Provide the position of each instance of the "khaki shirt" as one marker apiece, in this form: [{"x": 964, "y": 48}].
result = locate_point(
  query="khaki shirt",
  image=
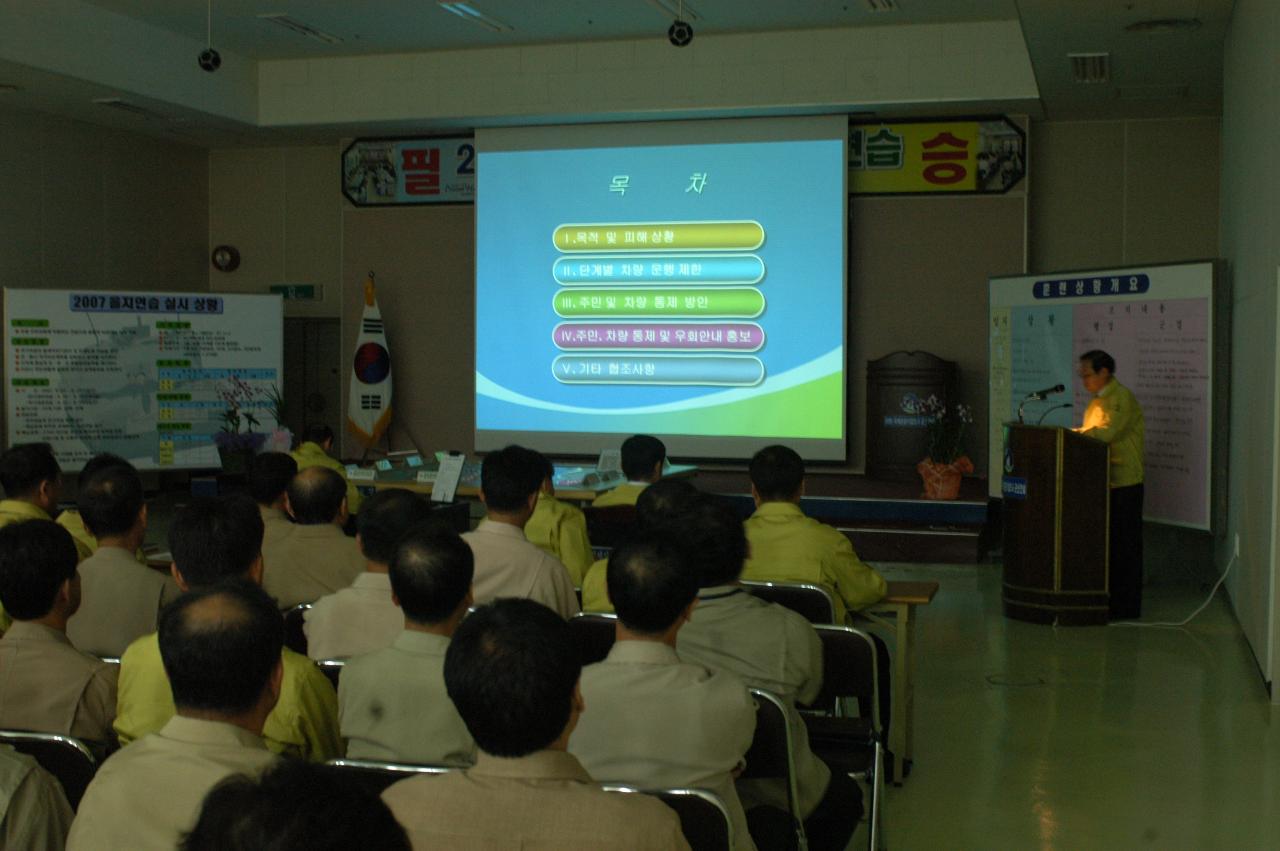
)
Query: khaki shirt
[
  {"x": 148, "y": 794},
  {"x": 34, "y": 813},
  {"x": 120, "y": 601},
  {"x": 275, "y": 525},
  {"x": 304, "y": 722},
  {"x": 787, "y": 546},
  {"x": 1114, "y": 416},
  {"x": 624, "y": 494},
  {"x": 655, "y": 722},
  {"x": 771, "y": 648},
  {"x": 509, "y": 566},
  {"x": 48, "y": 686},
  {"x": 545, "y": 801},
  {"x": 560, "y": 529},
  {"x": 310, "y": 454},
  {"x": 308, "y": 563},
  {"x": 392, "y": 705},
  {"x": 355, "y": 620}
]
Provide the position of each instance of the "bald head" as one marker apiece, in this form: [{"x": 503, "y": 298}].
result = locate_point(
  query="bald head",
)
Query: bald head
[
  {"x": 221, "y": 645},
  {"x": 316, "y": 496}
]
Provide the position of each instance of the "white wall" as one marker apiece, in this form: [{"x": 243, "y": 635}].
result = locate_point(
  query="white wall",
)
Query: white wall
[{"x": 1250, "y": 215}]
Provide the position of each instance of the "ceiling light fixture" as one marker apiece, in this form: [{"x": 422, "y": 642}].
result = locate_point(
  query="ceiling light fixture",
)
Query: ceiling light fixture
[
  {"x": 671, "y": 9},
  {"x": 294, "y": 25},
  {"x": 1090, "y": 67},
  {"x": 1163, "y": 26},
  {"x": 468, "y": 12},
  {"x": 9, "y": 87}
]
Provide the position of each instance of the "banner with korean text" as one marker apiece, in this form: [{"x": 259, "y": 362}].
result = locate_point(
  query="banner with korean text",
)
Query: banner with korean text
[
  {"x": 981, "y": 155},
  {"x": 387, "y": 172}
]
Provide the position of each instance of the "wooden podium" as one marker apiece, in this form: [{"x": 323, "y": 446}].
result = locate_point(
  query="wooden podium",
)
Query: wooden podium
[{"x": 1056, "y": 510}]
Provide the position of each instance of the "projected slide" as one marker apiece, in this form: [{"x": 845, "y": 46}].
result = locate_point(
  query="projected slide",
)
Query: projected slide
[{"x": 692, "y": 290}]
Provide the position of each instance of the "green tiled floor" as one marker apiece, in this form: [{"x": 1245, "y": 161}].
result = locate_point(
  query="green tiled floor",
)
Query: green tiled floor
[{"x": 1084, "y": 738}]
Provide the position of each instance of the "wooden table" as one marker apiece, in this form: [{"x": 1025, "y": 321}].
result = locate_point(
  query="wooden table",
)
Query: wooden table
[
  {"x": 577, "y": 491},
  {"x": 899, "y": 605}
]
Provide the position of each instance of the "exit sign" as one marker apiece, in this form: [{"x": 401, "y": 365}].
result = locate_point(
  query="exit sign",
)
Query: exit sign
[{"x": 297, "y": 292}]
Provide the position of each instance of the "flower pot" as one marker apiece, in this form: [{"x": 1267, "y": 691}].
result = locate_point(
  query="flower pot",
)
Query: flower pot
[{"x": 942, "y": 481}]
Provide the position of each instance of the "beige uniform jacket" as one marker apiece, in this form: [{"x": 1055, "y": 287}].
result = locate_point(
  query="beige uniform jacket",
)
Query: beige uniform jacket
[
  {"x": 34, "y": 813},
  {"x": 769, "y": 648},
  {"x": 545, "y": 801},
  {"x": 276, "y": 525},
  {"x": 120, "y": 601},
  {"x": 655, "y": 722},
  {"x": 48, "y": 686},
  {"x": 392, "y": 705},
  {"x": 507, "y": 565},
  {"x": 146, "y": 795},
  {"x": 355, "y": 620},
  {"x": 308, "y": 563}
]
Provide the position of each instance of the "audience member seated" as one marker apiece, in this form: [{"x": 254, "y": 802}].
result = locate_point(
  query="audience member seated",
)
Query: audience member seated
[
  {"x": 221, "y": 648},
  {"x": 269, "y": 475},
  {"x": 294, "y": 805},
  {"x": 363, "y": 617},
  {"x": 32, "y": 480},
  {"x": 507, "y": 565},
  {"x": 316, "y": 558},
  {"x": 70, "y": 519},
  {"x": 214, "y": 540},
  {"x": 661, "y": 502},
  {"x": 657, "y": 722},
  {"x": 392, "y": 704},
  {"x": 121, "y": 599},
  {"x": 559, "y": 528},
  {"x": 317, "y": 443},
  {"x": 642, "y": 460},
  {"x": 34, "y": 813},
  {"x": 787, "y": 546},
  {"x": 512, "y": 670},
  {"x": 768, "y": 647},
  {"x": 47, "y": 685}
]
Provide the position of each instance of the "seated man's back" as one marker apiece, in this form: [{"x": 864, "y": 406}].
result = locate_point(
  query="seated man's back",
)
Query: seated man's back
[
  {"x": 560, "y": 530},
  {"x": 392, "y": 703},
  {"x": 120, "y": 598},
  {"x": 46, "y": 684},
  {"x": 655, "y": 721},
  {"x": 315, "y": 558},
  {"x": 34, "y": 813},
  {"x": 787, "y": 546},
  {"x": 221, "y": 653}
]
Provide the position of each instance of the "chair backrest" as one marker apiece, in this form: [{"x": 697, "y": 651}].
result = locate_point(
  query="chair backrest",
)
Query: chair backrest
[
  {"x": 854, "y": 665},
  {"x": 331, "y": 668},
  {"x": 704, "y": 819},
  {"x": 67, "y": 759},
  {"x": 773, "y": 752},
  {"x": 294, "y": 638},
  {"x": 609, "y": 525},
  {"x": 377, "y": 776},
  {"x": 813, "y": 601},
  {"x": 593, "y": 632}
]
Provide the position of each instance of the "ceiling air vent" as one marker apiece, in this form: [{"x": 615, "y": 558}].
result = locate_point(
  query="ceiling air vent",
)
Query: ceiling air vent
[
  {"x": 294, "y": 25},
  {"x": 125, "y": 106},
  {"x": 882, "y": 5},
  {"x": 1090, "y": 67},
  {"x": 1164, "y": 26}
]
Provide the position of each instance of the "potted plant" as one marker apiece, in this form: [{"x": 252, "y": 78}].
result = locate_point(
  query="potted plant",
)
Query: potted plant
[
  {"x": 280, "y": 439},
  {"x": 236, "y": 447},
  {"x": 946, "y": 463}
]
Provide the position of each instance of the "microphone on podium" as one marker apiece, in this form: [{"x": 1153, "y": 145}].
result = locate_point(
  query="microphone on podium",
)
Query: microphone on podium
[{"x": 1040, "y": 395}]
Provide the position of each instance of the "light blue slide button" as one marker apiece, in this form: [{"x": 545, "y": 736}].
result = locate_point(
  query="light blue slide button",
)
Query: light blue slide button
[
  {"x": 723, "y": 371},
  {"x": 659, "y": 269}
]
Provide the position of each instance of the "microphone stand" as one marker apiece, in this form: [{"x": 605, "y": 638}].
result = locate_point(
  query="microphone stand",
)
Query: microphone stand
[{"x": 1049, "y": 411}]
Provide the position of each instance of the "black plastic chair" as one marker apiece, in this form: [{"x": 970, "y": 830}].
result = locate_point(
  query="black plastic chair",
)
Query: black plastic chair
[
  {"x": 68, "y": 759},
  {"x": 594, "y": 634},
  {"x": 294, "y": 636},
  {"x": 332, "y": 668},
  {"x": 704, "y": 819},
  {"x": 610, "y": 525},
  {"x": 813, "y": 601},
  {"x": 773, "y": 755}
]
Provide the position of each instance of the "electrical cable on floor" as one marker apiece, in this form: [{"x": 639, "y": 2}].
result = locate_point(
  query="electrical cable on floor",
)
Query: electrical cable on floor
[{"x": 1187, "y": 620}]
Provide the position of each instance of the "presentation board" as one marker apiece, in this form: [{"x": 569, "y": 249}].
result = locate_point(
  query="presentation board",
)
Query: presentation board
[
  {"x": 143, "y": 375},
  {"x": 1164, "y": 325},
  {"x": 684, "y": 279}
]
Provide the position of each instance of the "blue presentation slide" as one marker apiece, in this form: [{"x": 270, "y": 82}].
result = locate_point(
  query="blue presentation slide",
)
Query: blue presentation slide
[{"x": 688, "y": 289}]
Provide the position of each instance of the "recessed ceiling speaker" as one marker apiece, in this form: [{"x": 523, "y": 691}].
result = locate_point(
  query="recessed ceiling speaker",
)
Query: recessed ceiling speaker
[{"x": 680, "y": 33}]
